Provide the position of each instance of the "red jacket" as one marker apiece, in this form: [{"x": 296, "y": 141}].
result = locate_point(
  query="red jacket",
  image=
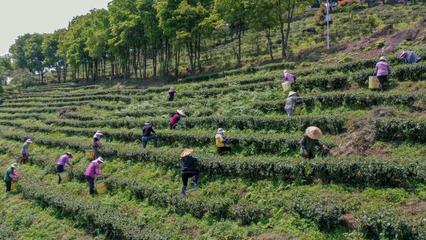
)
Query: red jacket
[{"x": 175, "y": 119}]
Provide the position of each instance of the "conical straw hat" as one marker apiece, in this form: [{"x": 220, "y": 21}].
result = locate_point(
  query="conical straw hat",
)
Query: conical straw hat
[
  {"x": 313, "y": 132},
  {"x": 186, "y": 152}
]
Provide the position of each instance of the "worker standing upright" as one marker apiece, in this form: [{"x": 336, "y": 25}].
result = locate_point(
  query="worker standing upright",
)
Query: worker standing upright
[
  {"x": 25, "y": 152},
  {"x": 171, "y": 94},
  {"x": 96, "y": 144},
  {"x": 382, "y": 72},
  {"x": 288, "y": 79}
]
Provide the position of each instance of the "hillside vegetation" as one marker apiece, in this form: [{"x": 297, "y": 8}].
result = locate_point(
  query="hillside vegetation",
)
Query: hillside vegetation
[{"x": 371, "y": 186}]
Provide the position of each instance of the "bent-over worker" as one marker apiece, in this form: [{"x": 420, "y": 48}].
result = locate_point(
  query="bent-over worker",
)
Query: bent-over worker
[
  {"x": 189, "y": 169},
  {"x": 175, "y": 120},
  {"x": 148, "y": 133},
  {"x": 93, "y": 170},
  {"x": 11, "y": 175},
  {"x": 221, "y": 141},
  {"x": 409, "y": 57},
  {"x": 60, "y": 164},
  {"x": 290, "y": 103},
  {"x": 310, "y": 142}
]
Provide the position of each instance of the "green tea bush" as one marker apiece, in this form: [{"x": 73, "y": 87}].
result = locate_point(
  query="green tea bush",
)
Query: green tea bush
[{"x": 326, "y": 213}]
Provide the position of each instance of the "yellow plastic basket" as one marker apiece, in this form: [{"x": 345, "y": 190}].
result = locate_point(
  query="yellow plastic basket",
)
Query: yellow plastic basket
[
  {"x": 90, "y": 155},
  {"x": 373, "y": 82},
  {"x": 286, "y": 86},
  {"x": 101, "y": 188},
  {"x": 13, "y": 186}
]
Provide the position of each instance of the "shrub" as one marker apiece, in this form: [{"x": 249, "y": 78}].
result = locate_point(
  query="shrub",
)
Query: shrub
[{"x": 326, "y": 213}]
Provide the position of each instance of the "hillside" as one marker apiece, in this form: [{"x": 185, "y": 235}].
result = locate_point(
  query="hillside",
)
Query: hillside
[{"x": 371, "y": 185}]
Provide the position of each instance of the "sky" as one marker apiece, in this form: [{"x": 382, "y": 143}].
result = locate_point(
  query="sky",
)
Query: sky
[{"x": 18, "y": 17}]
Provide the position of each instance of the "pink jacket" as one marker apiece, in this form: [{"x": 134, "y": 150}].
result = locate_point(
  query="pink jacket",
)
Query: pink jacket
[
  {"x": 382, "y": 69},
  {"x": 288, "y": 77},
  {"x": 93, "y": 169}
]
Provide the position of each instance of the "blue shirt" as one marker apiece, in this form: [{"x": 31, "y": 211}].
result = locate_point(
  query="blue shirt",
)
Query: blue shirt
[{"x": 411, "y": 58}]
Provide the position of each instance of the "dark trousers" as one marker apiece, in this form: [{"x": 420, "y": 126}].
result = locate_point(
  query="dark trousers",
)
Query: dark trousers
[
  {"x": 59, "y": 170},
  {"x": 307, "y": 154},
  {"x": 382, "y": 80},
  {"x": 8, "y": 186},
  {"x": 222, "y": 150},
  {"x": 186, "y": 176},
  {"x": 145, "y": 140},
  {"x": 91, "y": 184},
  {"x": 23, "y": 158}
]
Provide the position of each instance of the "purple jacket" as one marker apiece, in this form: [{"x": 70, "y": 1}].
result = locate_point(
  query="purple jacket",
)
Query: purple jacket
[
  {"x": 288, "y": 77},
  {"x": 64, "y": 159},
  {"x": 93, "y": 169},
  {"x": 382, "y": 69}
]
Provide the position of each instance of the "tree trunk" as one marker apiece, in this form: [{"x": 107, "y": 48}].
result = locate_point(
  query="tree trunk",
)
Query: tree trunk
[
  {"x": 198, "y": 50},
  {"x": 64, "y": 72},
  {"x": 145, "y": 54},
  {"x": 268, "y": 37},
  {"x": 289, "y": 20},
  {"x": 239, "y": 46},
  {"x": 154, "y": 63}
]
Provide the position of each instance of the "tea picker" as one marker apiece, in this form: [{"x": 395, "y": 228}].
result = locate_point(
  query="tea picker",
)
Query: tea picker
[
  {"x": 290, "y": 103},
  {"x": 382, "y": 72},
  {"x": 25, "y": 152},
  {"x": 95, "y": 146},
  {"x": 310, "y": 143},
  {"x": 60, "y": 164},
  {"x": 171, "y": 94},
  {"x": 409, "y": 57},
  {"x": 176, "y": 119},
  {"x": 148, "y": 133},
  {"x": 11, "y": 175},
  {"x": 288, "y": 79},
  {"x": 92, "y": 171},
  {"x": 221, "y": 140},
  {"x": 189, "y": 168}
]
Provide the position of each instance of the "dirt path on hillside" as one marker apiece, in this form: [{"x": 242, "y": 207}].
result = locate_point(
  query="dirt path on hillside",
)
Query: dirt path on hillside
[
  {"x": 361, "y": 134},
  {"x": 391, "y": 37}
]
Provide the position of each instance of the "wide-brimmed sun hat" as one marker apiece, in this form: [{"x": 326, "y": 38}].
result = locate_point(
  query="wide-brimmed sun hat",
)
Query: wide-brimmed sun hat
[
  {"x": 99, "y": 132},
  {"x": 313, "y": 132},
  {"x": 291, "y": 93},
  {"x": 172, "y": 88},
  {"x": 28, "y": 141},
  {"x": 147, "y": 123},
  {"x": 402, "y": 54},
  {"x": 186, "y": 152},
  {"x": 14, "y": 165},
  {"x": 383, "y": 58},
  {"x": 181, "y": 112},
  {"x": 221, "y": 130},
  {"x": 69, "y": 154},
  {"x": 285, "y": 71},
  {"x": 100, "y": 159}
]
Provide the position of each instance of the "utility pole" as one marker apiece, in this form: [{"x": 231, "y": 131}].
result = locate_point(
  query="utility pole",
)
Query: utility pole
[{"x": 328, "y": 19}]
